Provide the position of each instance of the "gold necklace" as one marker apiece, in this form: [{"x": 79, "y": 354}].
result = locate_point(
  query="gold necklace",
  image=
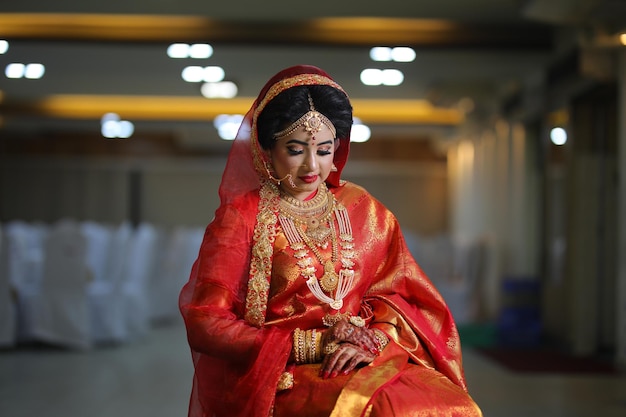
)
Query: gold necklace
[
  {"x": 314, "y": 214},
  {"x": 330, "y": 281}
]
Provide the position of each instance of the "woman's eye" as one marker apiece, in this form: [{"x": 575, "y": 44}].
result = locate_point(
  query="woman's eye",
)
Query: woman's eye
[
  {"x": 324, "y": 152},
  {"x": 294, "y": 151}
]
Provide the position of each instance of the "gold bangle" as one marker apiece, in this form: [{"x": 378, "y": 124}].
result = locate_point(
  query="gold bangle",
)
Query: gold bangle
[
  {"x": 312, "y": 346},
  {"x": 302, "y": 347},
  {"x": 318, "y": 347},
  {"x": 307, "y": 346},
  {"x": 296, "y": 344}
]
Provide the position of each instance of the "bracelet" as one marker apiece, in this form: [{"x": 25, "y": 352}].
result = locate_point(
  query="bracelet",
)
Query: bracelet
[{"x": 307, "y": 346}]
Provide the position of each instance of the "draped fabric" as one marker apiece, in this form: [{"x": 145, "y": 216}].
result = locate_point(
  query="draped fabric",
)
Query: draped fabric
[{"x": 245, "y": 296}]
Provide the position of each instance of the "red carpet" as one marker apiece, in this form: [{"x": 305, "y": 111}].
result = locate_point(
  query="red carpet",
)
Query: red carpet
[{"x": 547, "y": 361}]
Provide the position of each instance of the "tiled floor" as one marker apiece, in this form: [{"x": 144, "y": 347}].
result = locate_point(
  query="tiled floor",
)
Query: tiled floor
[{"x": 152, "y": 378}]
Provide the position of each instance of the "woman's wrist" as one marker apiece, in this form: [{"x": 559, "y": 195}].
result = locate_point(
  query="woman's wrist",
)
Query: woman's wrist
[{"x": 307, "y": 346}]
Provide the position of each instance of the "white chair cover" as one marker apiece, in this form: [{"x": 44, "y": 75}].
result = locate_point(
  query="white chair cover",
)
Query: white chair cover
[
  {"x": 140, "y": 264},
  {"x": 181, "y": 250},
  {"x": 106, "y": 249},
  {"x": 24, "y": 268},
  {"x": 60, "y": 310},
  {"x": 8, "y": 331}
]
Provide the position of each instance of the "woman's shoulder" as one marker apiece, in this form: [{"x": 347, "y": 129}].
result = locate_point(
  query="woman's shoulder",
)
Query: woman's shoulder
[{"x": 351, "y": 194}]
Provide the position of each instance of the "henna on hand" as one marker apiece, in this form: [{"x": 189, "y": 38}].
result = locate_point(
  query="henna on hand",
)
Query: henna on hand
[
  {"x": 345, "y": 332},
  {"x": 344, "y": 360}
]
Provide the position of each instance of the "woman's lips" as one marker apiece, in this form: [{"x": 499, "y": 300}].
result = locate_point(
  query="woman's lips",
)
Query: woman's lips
[{"x": 309, "y": 179}]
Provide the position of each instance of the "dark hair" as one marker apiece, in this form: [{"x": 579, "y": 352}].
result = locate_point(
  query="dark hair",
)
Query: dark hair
[{"x": 291, "y": 104}]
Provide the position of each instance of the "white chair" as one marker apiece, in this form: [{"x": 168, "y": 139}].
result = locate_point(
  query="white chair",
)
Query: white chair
[
  {"x": 139, "y": 265},
  {"x": 24, "y": 269},
  {"x": 60, "y": 310},
  {"x": 180, "y": 251},
  {"x": 8, "y": 332},
  {"x": 106, "y": 251}
]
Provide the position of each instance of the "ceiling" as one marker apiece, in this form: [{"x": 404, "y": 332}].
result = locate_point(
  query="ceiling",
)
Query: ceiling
[{"x": 110, "y": 56}]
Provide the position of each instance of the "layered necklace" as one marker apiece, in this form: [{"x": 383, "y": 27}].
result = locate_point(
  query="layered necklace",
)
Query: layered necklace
[{"x": 309, "y": 226}]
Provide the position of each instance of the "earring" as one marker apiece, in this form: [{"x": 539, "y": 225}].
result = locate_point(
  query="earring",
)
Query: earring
[{"x": 333, "y": 168}]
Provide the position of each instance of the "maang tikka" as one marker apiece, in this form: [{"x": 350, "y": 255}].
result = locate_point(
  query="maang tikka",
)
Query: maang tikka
[{"x": 311, "y": 120}]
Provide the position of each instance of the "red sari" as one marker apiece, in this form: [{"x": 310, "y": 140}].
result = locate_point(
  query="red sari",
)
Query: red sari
[{"x": 245, "y": 297}]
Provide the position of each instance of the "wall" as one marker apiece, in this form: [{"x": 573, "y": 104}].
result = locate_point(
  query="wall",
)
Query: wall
[
  {"x": 184, "y": 191},
  {"x": 621, "y": 246},
  {"x": 494, "y": 196}
]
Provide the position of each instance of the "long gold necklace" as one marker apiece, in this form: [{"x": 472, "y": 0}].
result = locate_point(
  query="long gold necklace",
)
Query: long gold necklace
[{"x": 299, "y": 241}]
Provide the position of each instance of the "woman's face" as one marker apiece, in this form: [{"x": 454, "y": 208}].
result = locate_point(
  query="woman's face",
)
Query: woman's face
[{"x": 307, "y": 158}]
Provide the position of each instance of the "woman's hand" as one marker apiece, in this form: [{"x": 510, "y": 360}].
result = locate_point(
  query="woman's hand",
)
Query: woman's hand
[
  {"x": 344, "y": 360},
  {"x": 345, "y": 332}
]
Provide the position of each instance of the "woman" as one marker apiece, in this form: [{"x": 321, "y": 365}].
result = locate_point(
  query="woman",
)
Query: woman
[{"x": 304, "y": 300}]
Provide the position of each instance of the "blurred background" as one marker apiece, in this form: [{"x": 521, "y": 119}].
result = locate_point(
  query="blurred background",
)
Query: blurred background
[{"x": 494, "y": 130}]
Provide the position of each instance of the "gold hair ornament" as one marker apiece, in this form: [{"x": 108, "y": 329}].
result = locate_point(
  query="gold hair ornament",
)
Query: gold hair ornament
[{"x": 312, "y": 122}]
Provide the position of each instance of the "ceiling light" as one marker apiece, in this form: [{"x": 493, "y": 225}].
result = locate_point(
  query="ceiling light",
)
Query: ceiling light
[
  {"x": 34, "y": 71},
  {"x": 183, "y": 50},
  {"x": 392, "y": 77},
  {"x": 397, "y": 54},
  {"x": 223, "y": 89},
  {"x": 14, "y": 70},
  {"x": 227, "y": 125},
  {"x": 359, "y": 132},
  {"x": 4, "y": 46},
  {"x": 193, "y": 74},
  {"x": 200, "y": 50},
  {"x": 112, "y": 127},
  {"x": 178, "y": 50},
  {"x": 30, "y": 71},
  {"x": 371, "y": 76},
  {"x": 196, "y": 74},
  {"x": 622, "y": 38},
  {"x": 403, "y": 54},
  {"x": 213, "y": 74},
  {"x": 380, "y": 53},
  {"x": 558, "y": 136}
]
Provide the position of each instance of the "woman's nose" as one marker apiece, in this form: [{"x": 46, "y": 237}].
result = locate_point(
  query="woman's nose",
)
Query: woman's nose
[{"x": 311, "y": 161}]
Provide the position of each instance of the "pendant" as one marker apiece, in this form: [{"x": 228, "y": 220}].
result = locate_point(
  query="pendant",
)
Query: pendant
[
  {"x": 318, "y": 232},
  {"x": 330, "y": 279}
]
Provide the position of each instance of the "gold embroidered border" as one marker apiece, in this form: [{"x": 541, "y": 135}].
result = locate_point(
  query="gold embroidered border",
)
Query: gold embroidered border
[{"x": 262, "y": 251}]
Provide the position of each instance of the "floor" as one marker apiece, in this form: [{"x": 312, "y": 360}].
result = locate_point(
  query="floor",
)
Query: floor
[{"x": 152, "y": 378}]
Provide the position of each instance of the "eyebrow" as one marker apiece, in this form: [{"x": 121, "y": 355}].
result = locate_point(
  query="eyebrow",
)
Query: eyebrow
[{"x": 328, "y": 142}]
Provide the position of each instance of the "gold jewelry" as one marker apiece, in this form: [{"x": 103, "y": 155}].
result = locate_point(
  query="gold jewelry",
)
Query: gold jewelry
[
  {"x": 285, "y": 381},
  {"x": 307, "y": 346},
  {"x": 314, "y": 214},
  {"x": 334, "y": 168},
  {"x": 381, "y": 338},
  {"x": 332, "y": 281},
  {"x": 357, "y": 321},
  {"x": 331, "y": 348},
  {"x": 312, "y": 122},
  {"x": 287, "y": 177}
]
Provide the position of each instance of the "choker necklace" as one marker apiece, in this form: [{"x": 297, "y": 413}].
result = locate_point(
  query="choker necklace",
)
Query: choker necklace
[
  {"x": 292, "y": 222},
  {"x": 314, "y": 214}
]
